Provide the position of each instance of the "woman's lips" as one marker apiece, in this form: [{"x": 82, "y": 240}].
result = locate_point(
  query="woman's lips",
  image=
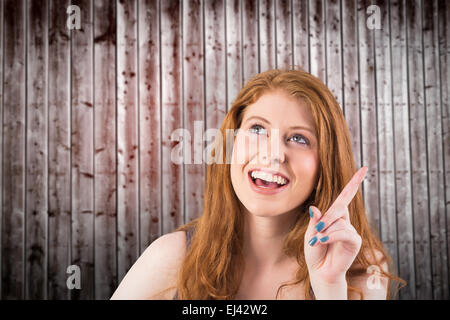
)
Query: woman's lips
[{"x": 266, "y": 191}]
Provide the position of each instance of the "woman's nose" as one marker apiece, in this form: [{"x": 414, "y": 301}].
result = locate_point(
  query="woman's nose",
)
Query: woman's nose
[
  {"x": 276, "y": 150},
  {"x": 278, "y": 153}
]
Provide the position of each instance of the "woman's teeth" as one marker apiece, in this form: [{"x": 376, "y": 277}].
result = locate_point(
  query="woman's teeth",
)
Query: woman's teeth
[{"x": 268, "y": 177}]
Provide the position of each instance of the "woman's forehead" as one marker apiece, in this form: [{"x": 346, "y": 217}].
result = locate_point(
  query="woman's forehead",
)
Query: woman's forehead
[{"x": 280, "y": 109}]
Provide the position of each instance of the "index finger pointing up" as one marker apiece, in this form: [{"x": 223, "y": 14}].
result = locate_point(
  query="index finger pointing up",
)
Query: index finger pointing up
[{"x": 349, "y": 191}]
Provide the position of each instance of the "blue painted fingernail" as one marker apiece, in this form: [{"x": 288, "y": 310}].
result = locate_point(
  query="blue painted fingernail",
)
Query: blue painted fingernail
[
  {"x": 312, "y": 241},
  {"x": 311, "y": 214},
  {"x": 320, "y": 226},
  {"x": 324, "y": 239}
]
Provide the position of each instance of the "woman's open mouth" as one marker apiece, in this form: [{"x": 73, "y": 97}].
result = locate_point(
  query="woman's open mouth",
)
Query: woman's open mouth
[{"x": 266, "y": 183}]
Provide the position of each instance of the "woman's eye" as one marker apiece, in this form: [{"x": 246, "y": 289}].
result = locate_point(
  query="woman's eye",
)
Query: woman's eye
[
  {"x": 256, "y": 128},
  {"x": 300, "y": 138}
]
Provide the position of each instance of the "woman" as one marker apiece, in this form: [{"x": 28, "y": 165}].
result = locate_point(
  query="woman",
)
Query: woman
[{"x": 279, "y": 222}]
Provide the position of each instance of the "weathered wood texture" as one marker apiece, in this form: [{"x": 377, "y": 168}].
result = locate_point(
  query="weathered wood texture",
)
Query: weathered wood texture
[
  {"x": 105, "y": 148},
  {"x": 59, "y": 152},
  {"x": 88, "y": 119}
]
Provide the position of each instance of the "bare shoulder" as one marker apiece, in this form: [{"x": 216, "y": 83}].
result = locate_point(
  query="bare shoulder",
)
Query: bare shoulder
[
  {"x": 155, "y": 272},
  {"x": 170, "y": 246}
]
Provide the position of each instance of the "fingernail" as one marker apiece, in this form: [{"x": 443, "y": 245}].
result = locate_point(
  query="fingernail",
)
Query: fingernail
[
  {"x": 320, "y": 226},
  {"x": 312, "y": 241},
  {"x": 324, "y": 239},
  {"x": 311, "y": 214}
]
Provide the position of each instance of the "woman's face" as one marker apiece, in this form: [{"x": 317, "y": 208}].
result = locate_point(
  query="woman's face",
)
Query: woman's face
[{"x": 276, "y": 173}]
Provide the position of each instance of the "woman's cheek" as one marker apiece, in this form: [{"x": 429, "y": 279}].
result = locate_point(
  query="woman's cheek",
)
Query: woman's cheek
[
  {"x": 238, "y": 151},
  {"x": 244, "y": 149},
  {"x": 307, "y": 165},
  {"x": 311, "y": 163}
]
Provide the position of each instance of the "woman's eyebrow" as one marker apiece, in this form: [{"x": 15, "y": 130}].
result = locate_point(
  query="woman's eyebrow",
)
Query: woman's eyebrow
[
  {"x": 268, "y": 122},
  {"x": 260, "y": 118}
]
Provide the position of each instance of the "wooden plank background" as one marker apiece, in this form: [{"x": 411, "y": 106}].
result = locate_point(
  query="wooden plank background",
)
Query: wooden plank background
[{"x": 87, "y": 117}]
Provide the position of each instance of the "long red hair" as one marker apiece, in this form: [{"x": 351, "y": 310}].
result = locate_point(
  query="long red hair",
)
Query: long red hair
[{"x": 213, "y": 265}]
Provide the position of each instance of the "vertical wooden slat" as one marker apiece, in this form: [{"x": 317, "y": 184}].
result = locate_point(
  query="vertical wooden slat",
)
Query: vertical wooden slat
[
  {"x": 386, "y": 148},
  {"x": 435, "y": 165},
  {"x": 283, "y": 22},
  {"x": 250, "y": 39},
  {"x": 368, "y": 115},
  {"x": 193, "y": 106},
  {"x": 215, "y": 76},
  {"x": 127, "y": 137},
  {"x": 59, "y": 210},
  {"x": 105, "y": 148},
  {"x": 267, "y": 45},
  {"x": 317, "y": 39},
  {"x": 351, "y": 75},
  {"x": 150, "y": 122},
  {"x": 171, "y": 116},
  {"x": 234, "y": 76},
  {"x": 36, "y": 162},
  {"x": 403, "y": 212},
  {"x": 14, "y": 142},
  {"x": 82, "y": 152},
  {"x": 444, "y": 55},
  {"x": 1, "y": 139},
  {"x": 334, "y": 49},
  {"x": 418, "y": 151},
  {"x": 300, "y": 30}
]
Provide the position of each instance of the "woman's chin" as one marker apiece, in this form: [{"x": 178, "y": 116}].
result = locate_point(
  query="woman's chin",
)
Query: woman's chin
[{"x": 265, "y": 212}]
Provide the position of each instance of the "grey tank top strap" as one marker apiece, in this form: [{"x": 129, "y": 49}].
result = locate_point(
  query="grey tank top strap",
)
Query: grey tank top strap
[
  {"x": 188, "y": 239},
  {"x": 188, "y": 244}
]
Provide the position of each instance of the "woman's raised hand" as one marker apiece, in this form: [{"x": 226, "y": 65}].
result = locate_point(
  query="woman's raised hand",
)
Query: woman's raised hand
[{"x": 331, "y": 242}]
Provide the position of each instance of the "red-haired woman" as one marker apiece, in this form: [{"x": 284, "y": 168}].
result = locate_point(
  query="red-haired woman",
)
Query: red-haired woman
[{"x": 284, "y": 222}]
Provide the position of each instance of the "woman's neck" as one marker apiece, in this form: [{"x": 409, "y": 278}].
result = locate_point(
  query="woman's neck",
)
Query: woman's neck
[{"x": 264, "y": 238}]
